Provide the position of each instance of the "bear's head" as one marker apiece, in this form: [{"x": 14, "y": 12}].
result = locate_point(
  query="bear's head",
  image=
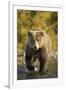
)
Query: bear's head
[{"x": 35, "y": 39}]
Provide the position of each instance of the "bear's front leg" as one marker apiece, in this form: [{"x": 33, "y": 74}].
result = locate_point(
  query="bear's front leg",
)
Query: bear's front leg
[
  {"x": 28, "y": 58},
  {"x": 29, "y": 65},
  {"x": 43, "y": 60}
]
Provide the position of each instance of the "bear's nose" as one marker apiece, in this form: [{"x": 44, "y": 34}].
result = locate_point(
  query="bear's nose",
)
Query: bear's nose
[{"x": 35, "y": 47}]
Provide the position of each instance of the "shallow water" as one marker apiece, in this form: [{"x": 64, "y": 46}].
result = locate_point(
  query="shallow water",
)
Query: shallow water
[
  {"x": 52, "y": 72},
  {"x": 22, "y": 76}
]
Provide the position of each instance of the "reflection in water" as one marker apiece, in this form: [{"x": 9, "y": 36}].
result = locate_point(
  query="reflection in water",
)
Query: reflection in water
[
  {"x": 52, "y": 72},
  {"x": 34, "y": 75}
]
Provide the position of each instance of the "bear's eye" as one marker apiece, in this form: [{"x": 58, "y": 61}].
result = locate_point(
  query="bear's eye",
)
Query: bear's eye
[
  {"x": 37, "y": 39},
  {"x": 32, "y": 40}
]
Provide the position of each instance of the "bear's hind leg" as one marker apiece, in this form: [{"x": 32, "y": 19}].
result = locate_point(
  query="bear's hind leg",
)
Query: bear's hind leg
[
  {"x": 43, "y": 60},
  {"x": 43, "y": 67}
]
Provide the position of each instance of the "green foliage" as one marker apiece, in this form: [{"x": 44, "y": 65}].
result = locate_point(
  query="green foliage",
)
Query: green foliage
[{"x": 45, "y": 20}]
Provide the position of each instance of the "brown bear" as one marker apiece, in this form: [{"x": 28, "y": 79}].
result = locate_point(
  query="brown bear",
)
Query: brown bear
[{"x": 38, "y": 47}]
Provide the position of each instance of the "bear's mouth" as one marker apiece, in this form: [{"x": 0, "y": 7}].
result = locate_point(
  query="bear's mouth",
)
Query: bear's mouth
[{"x": 36, "y": 51}]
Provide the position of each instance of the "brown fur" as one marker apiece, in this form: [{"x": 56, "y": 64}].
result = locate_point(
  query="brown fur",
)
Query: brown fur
[{"x": 38, "y": 46}]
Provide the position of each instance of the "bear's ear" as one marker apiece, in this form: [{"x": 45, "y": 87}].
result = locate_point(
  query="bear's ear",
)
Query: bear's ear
[
  {"x": 41, "y": 33},
  {"x": 29, "y": 32}
]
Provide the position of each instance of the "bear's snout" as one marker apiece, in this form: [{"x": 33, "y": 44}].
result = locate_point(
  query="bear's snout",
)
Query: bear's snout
[{"x": 35, "y": 48}]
